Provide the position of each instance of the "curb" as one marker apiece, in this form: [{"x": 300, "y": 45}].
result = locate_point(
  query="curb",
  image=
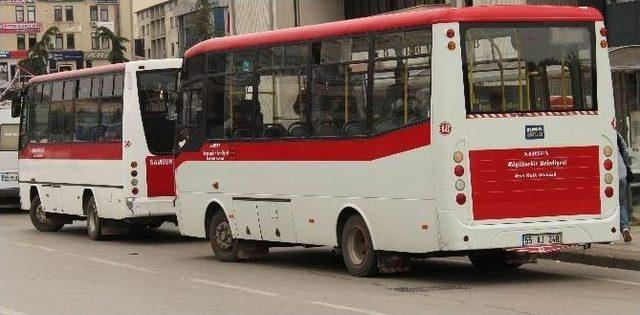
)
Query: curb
[{"x": 595, "y": 260}]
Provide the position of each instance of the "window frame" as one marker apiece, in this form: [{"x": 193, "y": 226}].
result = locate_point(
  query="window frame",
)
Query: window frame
[
  {"x": 308, "y": 66},
  {"x": 20, "y": 17},
  {"x": 57, "y": 10},
  {"x": 589, "y": 26},
  {"x": 19, "y": 38},
  {"x": 31, "y": 9},
  {"x": 71, "y": 41},
  {"x": 92, "y": 17},
  {"x": 68, "y": 12}
]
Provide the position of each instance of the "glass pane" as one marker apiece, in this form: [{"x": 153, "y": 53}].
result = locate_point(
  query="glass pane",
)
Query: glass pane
[
  {"x": 84, "y": 88},
  {"x": 520, "y": 69},
  {"x": 96, "y": 87},
  {"x": 111, "y": 121},
  {"x": 86, "y": 121},
  {"x": 107, "y": 85},
  {"x": 283, "y": 104},
  {"x": 296, "y": 55},
  {"x": 69, "y": 90}
]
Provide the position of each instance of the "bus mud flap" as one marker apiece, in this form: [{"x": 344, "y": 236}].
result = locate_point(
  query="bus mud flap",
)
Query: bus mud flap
[
  {"x": 252, "y": 250},
  {"x": 390, "y": 262}
]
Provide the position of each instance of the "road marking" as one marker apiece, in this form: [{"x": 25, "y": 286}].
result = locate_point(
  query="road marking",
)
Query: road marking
[
  {"x": 614, "y": 281},
  {"x": 49, "y": 249},
  {"x": 94, "y": 259},
  {"x": 7, "y": 311},
  {"x": 346, "y": 308},
  {"x": 112, "y": 263},
  {"x": 233, "y": 287}
]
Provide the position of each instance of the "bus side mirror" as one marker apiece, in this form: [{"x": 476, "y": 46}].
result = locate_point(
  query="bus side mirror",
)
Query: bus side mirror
[{"x": 16, "y": 106}]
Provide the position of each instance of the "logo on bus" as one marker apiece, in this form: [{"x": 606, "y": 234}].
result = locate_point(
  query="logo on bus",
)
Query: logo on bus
[{"x": 445, "y": 128}]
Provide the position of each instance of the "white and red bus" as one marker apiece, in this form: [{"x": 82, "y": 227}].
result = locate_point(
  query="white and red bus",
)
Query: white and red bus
[
  {"x": 8, "y": 157},
  {"x": 481, "y": 131},
  {"x": 97, "y": 144}
]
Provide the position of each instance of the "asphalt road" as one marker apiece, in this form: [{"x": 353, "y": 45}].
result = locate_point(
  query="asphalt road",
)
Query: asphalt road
[{"x": 161, "y": 272}]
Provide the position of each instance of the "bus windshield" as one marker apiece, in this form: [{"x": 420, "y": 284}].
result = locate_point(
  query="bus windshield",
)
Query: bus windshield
[
  {"x": 528, "y": 68},
  {"x": 154, "y": 87}
]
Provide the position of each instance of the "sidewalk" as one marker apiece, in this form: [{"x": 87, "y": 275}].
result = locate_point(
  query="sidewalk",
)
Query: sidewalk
[{"x": 617, "y": 255}]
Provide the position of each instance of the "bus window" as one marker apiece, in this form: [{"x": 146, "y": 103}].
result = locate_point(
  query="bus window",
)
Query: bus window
[
  {"x": 529, "y": 68},
  {"x": 96, "y": 87},
  {"x": 111, "y": 121},
  {"x": 86, "y": 121},
  {"x": 402, "y": 79},
  {"x": 153, "y": 92},
  {"x": 107, "y": 86},
  {"x": 84, "y": 88},
  {"x": 339, "y": 88},
  {"x": 39, "y": 116}
]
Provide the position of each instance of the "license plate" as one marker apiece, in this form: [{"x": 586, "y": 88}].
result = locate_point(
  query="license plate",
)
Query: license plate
[
  {"x": 541, "y": 239},
  {"x": 9, "y": 177}
]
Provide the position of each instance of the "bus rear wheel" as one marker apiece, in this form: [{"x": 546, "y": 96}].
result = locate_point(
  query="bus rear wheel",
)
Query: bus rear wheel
[
  {"x": 39, "y": 217},
  {"x": 357, "y": 249},
  {"x": 225, "y": 247},
  {"x": 494, "y": 260},
  {"x": 94, "y": 222}
]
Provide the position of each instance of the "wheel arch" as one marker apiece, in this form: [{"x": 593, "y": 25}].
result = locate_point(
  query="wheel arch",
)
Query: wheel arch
[
  {"x": 347, "y": 211},
  {"x": 33, "y": 192},
  {"x": 213, "y": 206}
]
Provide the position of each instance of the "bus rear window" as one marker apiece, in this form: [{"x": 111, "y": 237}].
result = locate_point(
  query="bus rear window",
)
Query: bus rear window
[{"x": 529, "y": 68}]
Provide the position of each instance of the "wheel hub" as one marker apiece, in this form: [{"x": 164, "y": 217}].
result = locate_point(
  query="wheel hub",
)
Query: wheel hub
[
  {"x": 223, "y": 236},
  {"x": 357, "y": 246}
]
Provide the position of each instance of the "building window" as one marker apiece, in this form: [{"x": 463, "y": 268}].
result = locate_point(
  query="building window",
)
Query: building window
[
  {"x": 148, "y": 27},
  {"x": 57, "y": 14},
  {"x": 171, "y": 22},
  {"x": 31, "y": 13},
  {"x": 104, "y": 14},
  {"x": 71, "y": 41},
  {"x": 21, "y": 43},
  {"x": 95, "y": 41},
  {"x": 142, "y": 31},
  {"x": 148, "y": 53},
  {"x": 19, "y": 13},
  {"x": 173, "y": 50},
  {"x": 104, "y": 43},
  {"x": 93, "y": 12},
  {"x": 59, "y": 41},
  {"x": 88, "y": 63},
  {"x": 32, "y": 40},
  {"x": 68, "y": 12}
]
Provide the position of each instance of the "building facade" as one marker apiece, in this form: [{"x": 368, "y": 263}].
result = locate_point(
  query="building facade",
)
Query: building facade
[{"x": 23, "y": 22}]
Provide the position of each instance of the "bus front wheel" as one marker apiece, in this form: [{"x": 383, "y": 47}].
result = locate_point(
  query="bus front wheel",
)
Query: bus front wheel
[
  {"x": 357, "y": 249},
  {"x": 224, "y": 246},
  {"x": 39, "y": 217},
  {"x": 94, "y": 222}
]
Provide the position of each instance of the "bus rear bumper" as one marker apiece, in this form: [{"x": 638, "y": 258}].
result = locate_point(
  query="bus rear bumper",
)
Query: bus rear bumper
[
  {"x": 459, "y": 237},
  {"x": 150, "y": 206}
]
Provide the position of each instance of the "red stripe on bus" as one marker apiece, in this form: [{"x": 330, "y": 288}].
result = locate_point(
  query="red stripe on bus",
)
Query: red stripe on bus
[
  {"x": 72, "y": 151},
  {"x": 536, "y": 182},
  {"x": 160, "y": 176},
  {"x": 363, "y": 149},
  {"x": 395, "y": 21}
]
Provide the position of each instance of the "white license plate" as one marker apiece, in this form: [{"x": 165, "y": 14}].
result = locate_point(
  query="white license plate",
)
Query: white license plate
[
  {"x": 9, "y": 177},
  {"x": 541, "y": 239}
]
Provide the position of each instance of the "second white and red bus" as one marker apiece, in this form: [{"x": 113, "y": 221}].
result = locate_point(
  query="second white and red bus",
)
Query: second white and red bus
[{"x": 97, "y": 144}]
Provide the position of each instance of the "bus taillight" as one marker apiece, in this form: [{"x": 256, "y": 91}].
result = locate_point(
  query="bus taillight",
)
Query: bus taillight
[
  {"x": 458, "y": 170},
  {"x": 604, "y": 31},
  {"x": 461, "y": 199},
  {"x": 608, "y": 165},
  {"x": 608, "y": 192}
]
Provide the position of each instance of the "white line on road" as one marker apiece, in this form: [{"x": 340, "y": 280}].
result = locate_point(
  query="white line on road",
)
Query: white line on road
[
  {"x": 233, "y": 287},
  {"x": 94, "y": 259},
  {"x": 346, "y": 308},
  {"x": 614, "y": 281},
  {"x": 7, "y": 311},
  {"x": 49, "y": 249},
  {"x": 112, "y": 263}
]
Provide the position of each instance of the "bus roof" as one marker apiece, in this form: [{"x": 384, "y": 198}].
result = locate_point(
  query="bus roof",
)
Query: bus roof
[
  {"x": 428, "y": 16},
  {"x": 118, "y": 67}
]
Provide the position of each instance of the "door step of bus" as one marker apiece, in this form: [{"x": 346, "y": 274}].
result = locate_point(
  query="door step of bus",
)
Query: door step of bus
[
  {"x": 252, "y": 250},
  {"x": 389, "y": 262}
]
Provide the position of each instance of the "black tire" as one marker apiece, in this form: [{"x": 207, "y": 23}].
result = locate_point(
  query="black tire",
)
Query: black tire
[
  {"x": 39, "y": 218},
  {"x": 357, "y": 249},
  {"x": 156, "y": 224},
  {"x": 94, "y": 222},
  {"x": 224, "y": 246},
  {"x": 494, "y": 260}
]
